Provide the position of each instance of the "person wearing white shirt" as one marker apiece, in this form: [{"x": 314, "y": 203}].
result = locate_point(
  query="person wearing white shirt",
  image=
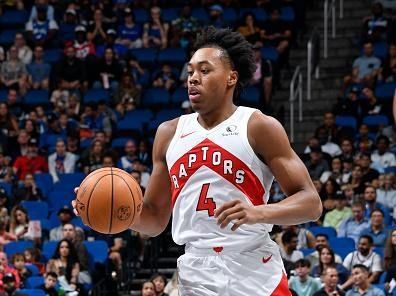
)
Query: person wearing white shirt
[
  {"x": 386, "y": 194},
  {"x": 382, "y": 158},
  {"x": 61, "y": 162},
  {"x": 289, "y": 250}
]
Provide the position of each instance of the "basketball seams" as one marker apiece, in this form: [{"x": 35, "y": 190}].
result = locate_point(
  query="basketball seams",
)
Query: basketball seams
[
  {"x": 112, "y": 200},
  {"x": 90, "y": 195},
  {"x": 133, "y": 200}
]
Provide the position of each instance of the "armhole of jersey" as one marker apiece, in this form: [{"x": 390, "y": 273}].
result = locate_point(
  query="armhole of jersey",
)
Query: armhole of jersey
[{"x": 180, "y": 126}]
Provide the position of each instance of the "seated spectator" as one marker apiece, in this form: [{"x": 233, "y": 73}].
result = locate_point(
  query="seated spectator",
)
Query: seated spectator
[
  {"x": 73, "y": 107},
  {"x": 355, "y": 181},
  {"x": 302, "y": 282},
  {"x": 70, "y": 72},
  {"x": 32, "y": 129},
  {"x": 129, "y": 33},
  {"x": 316, "y": 165},
  {"x": 216, "y": 18},
  {"x": 390, "y": 250},
  {"x": 70, "y": 233},
  {"x": 84, "y": 48},
  {"x": 382, "y": 158},
  {"x": 165, "y": 78},
  {"x": 328, "y": 195},
  {"x": 376, "y": 26},
  {"x": 120, "y": 50},
  {"x": 352, "y": 227},
  {"x": 159, "y": 281},
  {"x": 332, "y": 130},
  {"x": 18, "y": 261},
  {"x": 370, "y": 105},
  {"x": 184, "y": 28},
  {"x": 19, "y": 223},
  {"x": 97, "y": 28},
  {"x": 8, "y": 271},
  {"x": 349, "y": 105},
  {"x": 31, "y": 163},
  {"x": 321, "y": 241},
  {"x": 14, "y": 102},
  {"x": 365, "y": 68},
  {"x": 95, "y": 120},
  {"x": 305, "y": 237},
  {"x": 50, "y": 282},
  {"x": 68, "y": 25},
  {"x": 61, "y": 161},
  {"x": 65, "y": 216},
  {"x": 93, "y": 159},
  {"x": 148, "y": 289},
  {"x": 139, "y": 74},
  {"x": 27, "y": 190},
  {"x": 42, "y": 4},
  {"x": 370, "y": 198},
  {"x": 67, "y": 125},
  {"x": 41, "y": 31},
  {"x": 144, "y": 153},
  {"x": 108, "y": 72},
  {"x": 388, "y": 71},
  {"x": 9, "y": 128},
  {"x": 33, "y": 256},
  {"x": 6, "y": 172},
  {"x": 386, "y": 193},
  {"x": 127, "y": 92},
  {"x": 39, "y": 71},
  {"x": 25, "y": 54},
  {"x": 289, "y": 250},
  {"x": 341, "y": 212},
  {"x": 376, "y": 229},
  {"x": 330, "y": 281},
  {"x": 362, "y": 282},
  {"x": 155, "y": 32},
  {"x": 364, "y": 255},
  {"x": 327, "y": 259},
  {"x": 336, "y": 173},
  {"x": 250, "y": 29},
  {"x": 130, "y": 155},
  {"x": 368, "y": 174},
  {"x": 65, "y": 264},
  {"x": 5, "y": 236},
  {"x": 13, "y": 72}
]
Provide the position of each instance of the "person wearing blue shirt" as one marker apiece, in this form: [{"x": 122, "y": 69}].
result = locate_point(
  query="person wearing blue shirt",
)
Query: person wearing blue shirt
[
  {"x": 376, "y": 229},
  {"x": 362, "y": 286},
  {"x": 39, "y": 71},
  {"x": 130, "y": 33},
  {"x": 370, "y": 198},
  {"x": 352, "y": 227}
]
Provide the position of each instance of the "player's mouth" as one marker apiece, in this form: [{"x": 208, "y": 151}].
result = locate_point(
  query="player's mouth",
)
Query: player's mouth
[{"x": 193, "y": 94}]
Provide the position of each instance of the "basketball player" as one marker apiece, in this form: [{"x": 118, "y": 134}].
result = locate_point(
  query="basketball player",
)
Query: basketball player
[{"x": 213, "y": 170}]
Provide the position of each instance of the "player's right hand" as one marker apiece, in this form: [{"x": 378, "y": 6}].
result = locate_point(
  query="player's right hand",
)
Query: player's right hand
[{"x": 74, "y": 203}]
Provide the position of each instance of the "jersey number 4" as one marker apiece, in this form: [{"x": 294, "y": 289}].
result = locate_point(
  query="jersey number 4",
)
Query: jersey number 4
[{"x": 206, "y": 203}]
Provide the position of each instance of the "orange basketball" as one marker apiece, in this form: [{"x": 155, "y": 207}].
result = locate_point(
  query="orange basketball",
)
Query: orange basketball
[{"x": 109, "y": 200}]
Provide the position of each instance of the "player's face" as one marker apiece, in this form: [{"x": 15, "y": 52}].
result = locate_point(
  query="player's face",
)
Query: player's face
[{"x": 208, "y": 75}]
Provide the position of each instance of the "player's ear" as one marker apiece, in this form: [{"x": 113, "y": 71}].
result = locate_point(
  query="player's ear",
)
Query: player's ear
[{"x": 232, "y": 78}]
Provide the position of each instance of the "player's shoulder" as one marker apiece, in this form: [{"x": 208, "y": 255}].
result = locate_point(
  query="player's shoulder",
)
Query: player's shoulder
[
  {"x": 167, "y": 128},
  {"x": 261, "y": 122}
]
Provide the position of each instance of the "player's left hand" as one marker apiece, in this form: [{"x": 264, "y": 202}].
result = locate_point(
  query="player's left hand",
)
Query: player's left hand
[{"x": 237, "y": 212}]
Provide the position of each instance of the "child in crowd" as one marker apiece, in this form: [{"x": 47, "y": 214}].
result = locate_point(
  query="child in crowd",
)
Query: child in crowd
[{"x": 302, "y": 282}]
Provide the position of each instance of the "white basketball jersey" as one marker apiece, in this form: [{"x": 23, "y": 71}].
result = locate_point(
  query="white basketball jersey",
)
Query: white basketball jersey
[{"x": 208, "y": 168}]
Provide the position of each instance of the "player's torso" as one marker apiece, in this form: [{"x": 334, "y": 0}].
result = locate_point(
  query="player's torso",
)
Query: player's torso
[{"x": 208, "y": 168}]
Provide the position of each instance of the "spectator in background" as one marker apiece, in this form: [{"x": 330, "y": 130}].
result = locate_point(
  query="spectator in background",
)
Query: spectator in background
[
  {"x": 130, "y": 155},
  {"x": 341, "y": 212},
  {"x": 6, "y": 172},
  {"x": 19, "y": 223},
  {"x": 120, "y": 50},
  {"x": 330, "y": 281},
  {"x": 289, "y": 250},
  {"x": 61, "y": 161},
  {"x": 327, "y": 259},
  {"x": 370, "y": 106},
  {"x": 22, "y": 146},
  {"x": 364, "y": 255},
  {"x": 13, "y": 72},
  {"x": 41, "y": 31},
  {"x": 50, "y": 282},
  {"x": 390, "y": 250},
  {"x": 5, "y": 236},
  {"x": 356, "y": 181},
  {"x": 108, "y": 72},
  {"x": 376, "y": 229},
  {"x": 365, "y": 68},
  {"x": 6, "y": 270},
  {"x": 39, "y": 71},
  {"x": 302, "y": 282},
  {"x": 386, "y": 193},
  {"x": 363, "y": 141},
  {"x": 127, "y": 92},
  {"x": 382, "y": 158},
  {"x": 148, "y": 289},
  {"x": 336, "y": 172},
  {"x": 14, "y": 102},
  {"x": 216, "y": 17},
  {"x": 42, "y": 4},
  {"x": 165, "y": 78},
  {"x": 8, "y": 128},
  {"x": 18, "y": 261},
  {"x": 171, "y": 287},
  {"x": 250, "y": 29},
  {"x": 388, "y": 71},
  {"x": 93, "y": 159},
  {"x": 95, "y": 120},
  {"x": 70, "y": 72},
  {"x": 370, "y": 199},
  {"x": 31, "y": 163},
  {"x": 376, "y": 26},
  {"x": 159, "y": 281},
  {"x": 24, "y": 52},
  {"x": 155, "y": 32},
  {"x": 65, "y": 216},
  {"x": 352, "y": 227},
  {"x": 184, "y": 28},
  {"x": 316, "y": 165},
  {"x": 31, "y": 128},
  {"x": 130, "y": 33},
  {"x": 68, "y": 25},
  {"x": 321, "y": 241},
  {"x": 33, "y": 256},
  {"x": 27, "y": 191},
  {"x": 97, "y": 28},
  {"x": 347, "y": 149},
  {"x": 84, "y": 48},
  {"x": 368, "y": 174},
  {"x": 139, "y": 74},
  {"x": 362, "y": 282}
]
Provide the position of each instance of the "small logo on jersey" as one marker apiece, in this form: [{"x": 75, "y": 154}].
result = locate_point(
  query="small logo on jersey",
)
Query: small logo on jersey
[
  {"x": 185, "y": 135},
  {"x": 231, "y": 131},
  {"x": 265, "y": 260}
]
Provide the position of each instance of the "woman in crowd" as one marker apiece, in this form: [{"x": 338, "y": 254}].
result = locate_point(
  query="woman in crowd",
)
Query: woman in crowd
[
  {"x": 19, "y": 223},
  {"x": 155, "y": 32}
]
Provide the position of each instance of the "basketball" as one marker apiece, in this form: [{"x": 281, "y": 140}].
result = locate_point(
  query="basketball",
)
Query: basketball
[{"x": 109, "y": 200}]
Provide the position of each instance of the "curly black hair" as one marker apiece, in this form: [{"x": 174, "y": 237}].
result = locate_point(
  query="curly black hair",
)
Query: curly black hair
[{"x": 234, "y": 48}]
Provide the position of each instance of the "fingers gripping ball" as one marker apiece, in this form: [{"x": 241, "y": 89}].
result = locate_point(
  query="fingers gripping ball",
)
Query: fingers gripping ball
[{"x": 109, "y": 200}]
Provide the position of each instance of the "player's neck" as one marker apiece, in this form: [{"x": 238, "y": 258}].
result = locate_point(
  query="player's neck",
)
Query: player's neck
[{"x": 215, "y": 117}]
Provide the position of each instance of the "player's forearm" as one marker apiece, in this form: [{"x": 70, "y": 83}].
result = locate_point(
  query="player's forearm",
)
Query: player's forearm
[
  {"x": 301, "y": 207},
  {"x": 152, "y": 220}
]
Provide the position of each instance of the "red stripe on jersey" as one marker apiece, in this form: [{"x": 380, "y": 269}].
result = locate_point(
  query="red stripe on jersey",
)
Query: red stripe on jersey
[{"x": 221, "y": 161}]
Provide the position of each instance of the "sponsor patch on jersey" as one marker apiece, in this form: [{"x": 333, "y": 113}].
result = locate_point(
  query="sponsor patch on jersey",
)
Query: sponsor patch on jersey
[{"x": 231, "y": 130}]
